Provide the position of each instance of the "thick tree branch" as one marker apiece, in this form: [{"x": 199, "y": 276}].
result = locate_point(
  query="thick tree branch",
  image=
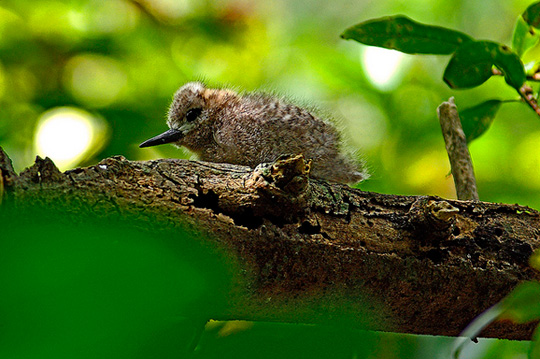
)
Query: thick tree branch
[{"x": 309, "y": 248}]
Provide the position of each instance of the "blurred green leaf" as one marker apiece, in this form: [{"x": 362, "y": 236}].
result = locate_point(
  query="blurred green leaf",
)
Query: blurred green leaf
[
  {"x": 471, "y": 65},
  {"x": 522, "y": 305},
  {"x": 265, "y": 340},
  {"x": 534, "y": 351},
  {"x": 406, "y": 35},
  {"x": 532, "y": 15},
  {"x": 524, "y": 37},
  {"x": 473, "y": 330},
  {"x": 70, "y": 284},
  {"x": 476, "y": 120}
]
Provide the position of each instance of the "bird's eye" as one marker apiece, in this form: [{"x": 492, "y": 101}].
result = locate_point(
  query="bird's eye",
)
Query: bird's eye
[{"x": 192, "y": 114}]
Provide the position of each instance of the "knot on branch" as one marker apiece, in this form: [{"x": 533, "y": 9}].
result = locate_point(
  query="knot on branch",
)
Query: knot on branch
[
  {"x": 43, "y": 171},
  {"x": 281, "y": 186},
  {"x": 288, "y": 174},
  {"x": 427, "y": 214}
]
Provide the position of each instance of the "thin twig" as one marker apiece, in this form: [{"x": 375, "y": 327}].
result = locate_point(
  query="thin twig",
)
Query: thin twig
[
  {"x": 527, "y": 95},
  {"x": 458, "y": 152},
  {"x": 534, "y": 77},
  {"x": 526, "y": 92}
]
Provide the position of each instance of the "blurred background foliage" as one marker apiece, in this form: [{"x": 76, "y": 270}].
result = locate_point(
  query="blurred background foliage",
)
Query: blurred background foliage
[{"x": 81, "y": 80}]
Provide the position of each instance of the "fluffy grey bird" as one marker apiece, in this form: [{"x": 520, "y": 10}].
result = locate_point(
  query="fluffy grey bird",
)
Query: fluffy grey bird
[{"x": 220, "y": 125}]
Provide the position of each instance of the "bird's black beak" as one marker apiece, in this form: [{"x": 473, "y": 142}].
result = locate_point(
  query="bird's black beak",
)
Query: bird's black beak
[{"x": 165, "y": 137}]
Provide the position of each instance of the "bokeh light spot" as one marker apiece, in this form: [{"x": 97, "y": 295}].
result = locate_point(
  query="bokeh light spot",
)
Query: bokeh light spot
[
  {"x": 95, "y": 80},
  {"x": 170, "y": 9},
  {"x": 10, "y": 26},
  {"x": 383, "y": 67},
  {"x": 52, "y": 23},
  {"x": 67, "y": 135},
  {"x": 104, "y": 17}
]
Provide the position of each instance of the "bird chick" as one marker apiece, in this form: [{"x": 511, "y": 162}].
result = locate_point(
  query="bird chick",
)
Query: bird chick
[{"x": 220, "y": 125}]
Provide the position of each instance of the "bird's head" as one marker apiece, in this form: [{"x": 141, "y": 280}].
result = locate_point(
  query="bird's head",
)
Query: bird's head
[{"x": 188, "y": 119}]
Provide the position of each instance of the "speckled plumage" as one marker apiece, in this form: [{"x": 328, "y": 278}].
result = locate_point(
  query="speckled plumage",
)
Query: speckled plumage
[{"x": 220, "y": 125}]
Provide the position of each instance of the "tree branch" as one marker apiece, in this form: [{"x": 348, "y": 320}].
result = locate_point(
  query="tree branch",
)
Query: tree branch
[
  {"x": 458, "y": 152},
  {"x": 527, "y": 95},
  {"x": 309, "y": 249}
]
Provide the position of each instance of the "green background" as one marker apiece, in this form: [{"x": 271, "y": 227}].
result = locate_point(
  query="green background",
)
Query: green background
[{"x": 121, "y": 62}]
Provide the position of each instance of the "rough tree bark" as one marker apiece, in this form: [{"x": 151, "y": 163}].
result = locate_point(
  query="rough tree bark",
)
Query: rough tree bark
[{"x": 309, "y": 248}]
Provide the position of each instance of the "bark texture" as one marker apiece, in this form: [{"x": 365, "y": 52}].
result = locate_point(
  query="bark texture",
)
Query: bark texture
[{"x": 313, "y": 251}]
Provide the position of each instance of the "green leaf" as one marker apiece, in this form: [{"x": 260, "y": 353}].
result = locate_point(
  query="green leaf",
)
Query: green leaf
[
  {"x": 532, "y": 15},
  {"x": 468, "y": 67},
  {"x": 406, "y": 35},
  {"x": 524, "y": 37},
  {"x": 510, "y": 64},
  {"x": 522, "y": 305},
  {"x": 476, "y": 120},
  {"x": 471, "y": 65}
]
